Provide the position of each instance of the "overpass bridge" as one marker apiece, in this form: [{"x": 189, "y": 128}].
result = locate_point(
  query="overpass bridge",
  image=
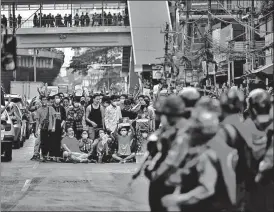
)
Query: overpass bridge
[{"x": 142, "y": 41}]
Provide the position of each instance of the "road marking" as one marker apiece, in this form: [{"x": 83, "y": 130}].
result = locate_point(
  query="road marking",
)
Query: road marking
[
  {"x": 26, "y": 185},
  {"x": 35, "y": 165}
]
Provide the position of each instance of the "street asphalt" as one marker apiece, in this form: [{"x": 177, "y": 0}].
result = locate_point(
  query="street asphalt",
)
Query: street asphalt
[{"x": 33, "y": 186}]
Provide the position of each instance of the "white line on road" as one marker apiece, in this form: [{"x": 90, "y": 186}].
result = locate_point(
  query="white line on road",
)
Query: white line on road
[{"x": 26, "y": 185}]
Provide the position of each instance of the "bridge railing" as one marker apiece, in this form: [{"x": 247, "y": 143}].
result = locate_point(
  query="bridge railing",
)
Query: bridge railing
[{"x": 96, "y": 22}]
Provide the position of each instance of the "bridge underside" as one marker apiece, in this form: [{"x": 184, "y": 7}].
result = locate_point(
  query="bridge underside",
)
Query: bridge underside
[{"x": 73, "y": 37}]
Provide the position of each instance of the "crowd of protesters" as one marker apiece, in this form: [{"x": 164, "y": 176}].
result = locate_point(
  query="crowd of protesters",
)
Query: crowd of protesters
[{"x": 96, "y": 128}]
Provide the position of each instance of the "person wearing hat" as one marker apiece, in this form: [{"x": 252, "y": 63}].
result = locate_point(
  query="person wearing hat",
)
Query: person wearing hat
[{"x": 171, "y": 114}]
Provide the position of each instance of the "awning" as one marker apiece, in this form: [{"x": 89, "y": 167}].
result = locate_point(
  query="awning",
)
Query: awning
[{"x": 267, "y": 69}]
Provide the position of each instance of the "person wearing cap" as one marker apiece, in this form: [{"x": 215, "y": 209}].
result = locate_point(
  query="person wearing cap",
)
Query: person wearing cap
[
  {"x": 199, "y": 179},
  {"x": 171, "y": 112}
]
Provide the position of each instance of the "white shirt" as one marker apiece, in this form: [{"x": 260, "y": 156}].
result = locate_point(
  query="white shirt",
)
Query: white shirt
[{"x": 112, "y": 117}]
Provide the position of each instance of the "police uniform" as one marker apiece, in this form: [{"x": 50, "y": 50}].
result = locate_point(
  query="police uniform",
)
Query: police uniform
[
  {"x": 172, "y": 107},
  {"x": 199, "y": 177},
  {"x": 260, "y": 194}
]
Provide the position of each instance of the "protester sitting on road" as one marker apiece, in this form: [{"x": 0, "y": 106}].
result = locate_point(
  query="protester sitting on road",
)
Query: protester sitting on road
[
  {"x": 88, "y": 146},
  {"x": 72, "y": 152},
  {"x": 103, "y": 142},
  {"x": 124, "y": 135}
]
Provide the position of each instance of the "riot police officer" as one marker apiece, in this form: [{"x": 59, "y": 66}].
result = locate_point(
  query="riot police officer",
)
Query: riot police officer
[
  {"x": 199, "y": 177},
  {"x": 172, "y": 111},
  {"x": 260, "y": 195}
]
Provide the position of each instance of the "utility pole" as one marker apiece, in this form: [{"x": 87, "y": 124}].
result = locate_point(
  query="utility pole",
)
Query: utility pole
[
  {"x": 34, "y": 64},
  {"x": 252, "y": 34},
  {"x": 185, "y": 35},
  {"x": 13, "y": 32},
  {"x": 209, "y": 34},
  {"x": 166, "y": 45},
  {"x": 40, "y": 15}
]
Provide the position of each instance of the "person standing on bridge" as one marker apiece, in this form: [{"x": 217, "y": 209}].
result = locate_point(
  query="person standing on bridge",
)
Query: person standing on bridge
[
  {"x": 48, "y": 24},
  {"x": 115, "y": 20},
  {"x": 120, "y": 17},
  {"x": 87, "y": 19},
  {"x": 70, "y": 20},
  {"x": 4, "y": 21},
  {"x": 19, "y": 20},
  {"x": 76, "y": 20},
  {"x": 82, "y": 19},
  {"x": 109, "y": 19},
  {"x": 35, "y": 20},
  {"x": 66, "y": 20}
]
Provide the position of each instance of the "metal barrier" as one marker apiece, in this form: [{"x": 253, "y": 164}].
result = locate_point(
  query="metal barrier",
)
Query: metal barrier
[{"x": 55, "y": 22}]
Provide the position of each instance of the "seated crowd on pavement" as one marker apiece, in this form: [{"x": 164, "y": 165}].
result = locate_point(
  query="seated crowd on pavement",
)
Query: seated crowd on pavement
[{"x": 84, "y": 129}]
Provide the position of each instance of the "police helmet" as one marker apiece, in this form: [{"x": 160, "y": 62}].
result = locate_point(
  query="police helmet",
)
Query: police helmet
[
  {"x": 212, "y": 105},
  {"x": 190, "y": 96},
  {"x": 173, "y": 106},
  {"x": 232, "y": 101},
  {"x": 259, "y": 102},
  {"x": 204, "y": 124}
]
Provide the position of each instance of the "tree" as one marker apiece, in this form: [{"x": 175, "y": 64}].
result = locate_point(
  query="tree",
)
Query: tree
[{"x": 103, "y": 55}]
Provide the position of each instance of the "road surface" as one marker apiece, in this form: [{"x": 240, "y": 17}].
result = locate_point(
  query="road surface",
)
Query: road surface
[{"x": 33, "y": 186}]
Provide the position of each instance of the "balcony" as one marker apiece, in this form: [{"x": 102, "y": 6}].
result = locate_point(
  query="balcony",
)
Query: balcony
[
  {"x": 240, "y": 46},
  {"x": 269, "y": 39}
]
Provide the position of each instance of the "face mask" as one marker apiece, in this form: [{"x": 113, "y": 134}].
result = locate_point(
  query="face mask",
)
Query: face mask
[
  {"x": 114, "y": 103},
  {"x": 76, "y": 104},
  {"x": 71, "y": 135},
  {"x": 123, "y": 133},
  {"x": 122, "y": 101},
  {"x": 57, "y": 101},
  {"x": 83, "y": 102},
  {"x": 84, "y": 136},
  {"x": 142, "y": 102},
  {"x": 102, "y": 135}
]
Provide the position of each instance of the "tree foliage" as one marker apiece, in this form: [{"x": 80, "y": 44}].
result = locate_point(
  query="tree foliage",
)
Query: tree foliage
[{"x": 103, "y": 55}]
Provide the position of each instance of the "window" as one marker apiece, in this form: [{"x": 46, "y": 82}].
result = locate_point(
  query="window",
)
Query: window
[{"x": 229, "y": 4}]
